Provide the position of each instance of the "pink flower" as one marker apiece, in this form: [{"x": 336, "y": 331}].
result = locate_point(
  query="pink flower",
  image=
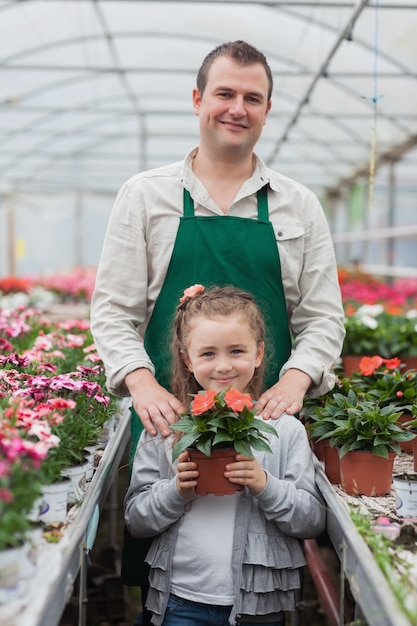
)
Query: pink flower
[
  {"x": 191, "y": 292},
  {"x": 4, "y": 468},
  {"x": 6, "y": 495},
  {"x": 62, "y": 403},
  {"x": 5, "y": 345}
]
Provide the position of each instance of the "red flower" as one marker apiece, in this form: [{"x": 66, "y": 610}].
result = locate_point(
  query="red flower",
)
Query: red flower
[
  {"x": 237, "y": 401},
  {"x": 393, "y": 363},
  {"x": 203, "y": 402},
  {"x": 368, "y": 364}
]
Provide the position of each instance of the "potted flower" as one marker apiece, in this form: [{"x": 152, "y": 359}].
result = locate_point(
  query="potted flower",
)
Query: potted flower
[
  {"x": 20, "y": 487},
  {"x": 19, "y": 483},
  {"x": 368, "y": 440},
  {"x": 383, "y": 381},
  {"x": 220, "y": 424}
]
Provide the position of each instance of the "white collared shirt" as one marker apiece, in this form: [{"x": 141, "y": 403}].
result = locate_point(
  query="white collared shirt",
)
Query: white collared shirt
[{"x": 138, "y": 245}]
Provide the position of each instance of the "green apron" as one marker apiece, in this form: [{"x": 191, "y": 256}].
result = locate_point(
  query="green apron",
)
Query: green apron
[{"x": 217, "y": 250}]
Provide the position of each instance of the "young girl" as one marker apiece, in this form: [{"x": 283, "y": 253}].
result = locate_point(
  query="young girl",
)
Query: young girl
[{"x": 232, "y": 559}]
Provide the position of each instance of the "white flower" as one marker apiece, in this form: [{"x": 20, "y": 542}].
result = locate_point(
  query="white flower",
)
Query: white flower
[
  {"x": 411, "y": 314},
  {"x": 369, "y": 322},
  {"x": 369, "y": 310}
]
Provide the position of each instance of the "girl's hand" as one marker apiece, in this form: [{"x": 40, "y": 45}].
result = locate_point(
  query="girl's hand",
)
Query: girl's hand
[
  {"x": 186, "y": 476},
  {"x": 246, "y": 471}
]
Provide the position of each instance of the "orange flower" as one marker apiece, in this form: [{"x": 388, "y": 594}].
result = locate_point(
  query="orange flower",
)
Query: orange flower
[
  {"x": 203, "y": 402},
  {"x": 393, "y": 363},
  {"x": 368, "y": 364},
  {"x": 191, "y": 292},
  {"x": 237, "y": 401}
]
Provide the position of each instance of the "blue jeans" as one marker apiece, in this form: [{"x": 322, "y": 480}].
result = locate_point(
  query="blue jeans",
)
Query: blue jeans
[{"x": 181, "y": 612}]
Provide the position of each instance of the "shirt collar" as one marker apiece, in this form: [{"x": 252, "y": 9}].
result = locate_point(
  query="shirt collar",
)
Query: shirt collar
[{"x": 259, "y": 178}]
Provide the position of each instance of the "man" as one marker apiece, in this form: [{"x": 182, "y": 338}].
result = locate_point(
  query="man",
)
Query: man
[{"x": 220, "y": 217}]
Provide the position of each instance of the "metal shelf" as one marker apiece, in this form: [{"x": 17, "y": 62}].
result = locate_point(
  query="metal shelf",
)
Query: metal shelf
[
  {"x": 50, "y": 589},
  {"x": 368, "y": 585}
]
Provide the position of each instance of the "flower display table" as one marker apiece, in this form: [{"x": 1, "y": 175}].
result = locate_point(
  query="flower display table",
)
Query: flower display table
[
  {"x": 50, "y": 587},
  {"x": 375, "y": 600}
]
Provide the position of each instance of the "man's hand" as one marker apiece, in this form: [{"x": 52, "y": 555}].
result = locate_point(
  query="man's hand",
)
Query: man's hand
[
  {"x": 286, "y": 396},
  {"x": 156, "y": 407}
]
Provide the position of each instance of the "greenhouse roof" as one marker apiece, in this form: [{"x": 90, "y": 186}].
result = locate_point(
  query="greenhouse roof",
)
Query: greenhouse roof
[{"x": 94, "y": 91}]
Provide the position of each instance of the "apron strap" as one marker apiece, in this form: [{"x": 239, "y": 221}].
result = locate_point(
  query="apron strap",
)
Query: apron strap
[
  {"x": 262, "y": 195},
  {"x": 188, "y": 204},
  {"x": 263, "y": 215}
]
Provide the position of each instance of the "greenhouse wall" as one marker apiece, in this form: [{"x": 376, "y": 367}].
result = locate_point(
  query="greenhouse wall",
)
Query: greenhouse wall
[{"x": 45, "y": 233}]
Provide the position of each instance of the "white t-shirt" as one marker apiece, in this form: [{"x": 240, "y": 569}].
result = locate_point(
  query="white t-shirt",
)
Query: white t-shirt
[{"x": 203, "y": 551}]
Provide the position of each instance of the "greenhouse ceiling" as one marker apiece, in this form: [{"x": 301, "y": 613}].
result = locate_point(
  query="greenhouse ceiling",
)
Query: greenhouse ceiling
[{"x": 94, "y": 91}]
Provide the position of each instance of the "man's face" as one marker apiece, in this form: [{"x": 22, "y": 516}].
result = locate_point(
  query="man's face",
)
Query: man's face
[{"x": 233, "y": 108}]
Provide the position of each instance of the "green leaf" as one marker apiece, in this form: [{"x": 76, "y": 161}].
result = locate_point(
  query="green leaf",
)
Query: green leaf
[
  {"x": 185, "y": 442},
  {"x": 243, "y": 448}
]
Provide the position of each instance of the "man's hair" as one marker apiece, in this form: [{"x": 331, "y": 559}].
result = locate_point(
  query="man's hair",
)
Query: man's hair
[{"x": 242, "y": 53}]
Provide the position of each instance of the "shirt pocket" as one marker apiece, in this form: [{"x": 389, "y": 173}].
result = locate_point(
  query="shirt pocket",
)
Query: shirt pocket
[{"x": 290, "y": 241}]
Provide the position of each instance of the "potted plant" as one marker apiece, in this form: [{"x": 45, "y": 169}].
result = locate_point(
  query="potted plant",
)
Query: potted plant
[
  {"x": 20, "y": 484},
  {"x": 369, "y": 436},
  {"x": 321, "y": 418},
  {"x": 383, "y": 381},
  {"x": 220, "y": 424}
]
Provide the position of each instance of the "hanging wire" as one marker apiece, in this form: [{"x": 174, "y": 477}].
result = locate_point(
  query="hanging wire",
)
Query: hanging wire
[{"x": 374, "y": 99}]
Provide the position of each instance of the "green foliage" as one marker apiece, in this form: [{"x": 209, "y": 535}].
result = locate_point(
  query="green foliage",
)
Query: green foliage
[
  {"x": 360, "y": 424},
  {"x": 388, "y": 335},
  {"x": 77, "y": 431},
  {"x": 388, "y": 386},
  {"x": 23, "y": 484}
]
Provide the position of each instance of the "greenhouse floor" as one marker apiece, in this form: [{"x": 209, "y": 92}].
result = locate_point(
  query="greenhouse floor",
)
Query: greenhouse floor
[{"x": 109, "y": 603}]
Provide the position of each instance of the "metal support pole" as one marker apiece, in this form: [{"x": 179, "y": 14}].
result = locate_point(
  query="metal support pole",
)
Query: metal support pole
[
  {"x": 391, "y": 215},
  {"x": 326, "y": 589},
  {"x": 82, "y": 587}
]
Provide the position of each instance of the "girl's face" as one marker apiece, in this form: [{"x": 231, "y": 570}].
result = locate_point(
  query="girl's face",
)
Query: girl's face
[{"x": 222, "y": 352}]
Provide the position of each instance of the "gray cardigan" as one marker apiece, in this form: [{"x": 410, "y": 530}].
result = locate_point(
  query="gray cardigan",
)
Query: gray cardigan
[{"x": 267, "y": 552}]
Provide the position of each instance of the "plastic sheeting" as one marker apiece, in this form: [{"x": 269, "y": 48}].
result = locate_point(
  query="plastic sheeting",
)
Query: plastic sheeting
[{"x": 94, "y": 91}]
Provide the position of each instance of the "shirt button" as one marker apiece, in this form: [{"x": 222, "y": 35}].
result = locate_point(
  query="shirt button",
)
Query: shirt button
[{"x": 280, "y": 233}]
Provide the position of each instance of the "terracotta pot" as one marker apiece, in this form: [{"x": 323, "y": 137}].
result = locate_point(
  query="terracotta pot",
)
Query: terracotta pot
[
  {"x": 318, "y": 449},
  {"x": 331, "y": 462},
  {"x": 410, "y": 363},
  {"x": 365, "y": 473},
  {"x": 211, "y": 477},
  {"x": 351, "y": 363}
]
